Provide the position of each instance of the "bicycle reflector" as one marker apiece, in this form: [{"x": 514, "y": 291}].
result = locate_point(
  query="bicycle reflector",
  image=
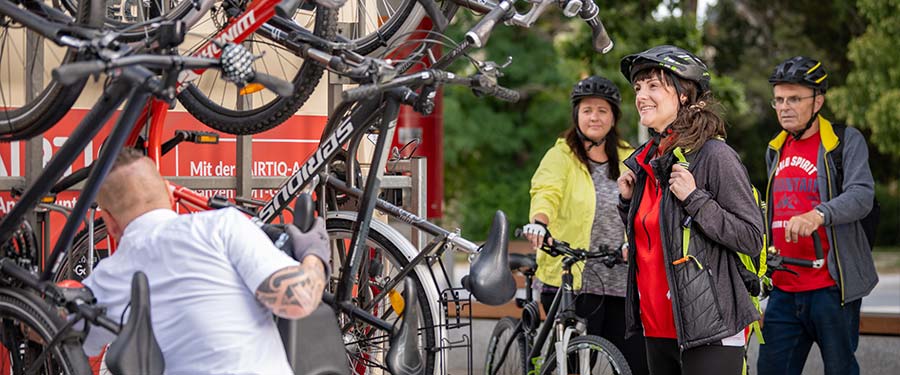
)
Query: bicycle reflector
[
  {"x": 49, "y": 199},
  {"x": 397, "y": 302},
  {"x": 251, "y": 88}
]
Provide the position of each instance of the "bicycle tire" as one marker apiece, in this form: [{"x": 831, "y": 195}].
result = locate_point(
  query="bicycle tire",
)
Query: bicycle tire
[
  {"x": 339, "y": 231},
  {"x": 504, "y": 358},
  {"x": 604, "y": 358},
  {"x": 53, "y": 101},
  {"x": 20, "y": 310},
  {"x": 74, "y": 265},
  {"x": 399, "y": 29},
  {"x": 117, "y": 15},
  {"x": 273, "y": 109}
]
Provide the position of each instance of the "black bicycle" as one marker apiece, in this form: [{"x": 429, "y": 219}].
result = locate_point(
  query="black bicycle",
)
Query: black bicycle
[{"x": 559, "y": 345}]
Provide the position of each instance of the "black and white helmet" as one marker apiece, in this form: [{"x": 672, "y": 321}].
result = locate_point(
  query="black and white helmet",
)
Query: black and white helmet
[{"x": 671, "y": 59}]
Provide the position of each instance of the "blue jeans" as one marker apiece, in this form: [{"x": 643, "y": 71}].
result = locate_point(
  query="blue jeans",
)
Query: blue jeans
[{"x": 793, "y": 321}]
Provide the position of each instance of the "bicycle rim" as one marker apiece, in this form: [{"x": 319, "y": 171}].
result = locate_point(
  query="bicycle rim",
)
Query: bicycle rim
[
  {"x": 366, "y": 347},
  {"x": 253, "y": 109},
  {"x": 20, "y": 351},
  {"x": 590, "y": 355},
  {"x": 506, "y": 350},
  {"x": 119, "y": 14},
  {"x": 398, "y": 37},
  {"x": 31, "y": 101}
]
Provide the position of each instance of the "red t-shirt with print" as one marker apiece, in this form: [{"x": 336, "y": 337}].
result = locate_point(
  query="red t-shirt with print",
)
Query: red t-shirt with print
[
  {"x": 653, "y": 287},
  {"x": 795, "y": 192}
]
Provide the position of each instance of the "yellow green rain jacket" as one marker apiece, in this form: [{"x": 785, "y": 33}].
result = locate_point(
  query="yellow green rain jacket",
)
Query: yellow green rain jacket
[{"x": 562, "y": 189}]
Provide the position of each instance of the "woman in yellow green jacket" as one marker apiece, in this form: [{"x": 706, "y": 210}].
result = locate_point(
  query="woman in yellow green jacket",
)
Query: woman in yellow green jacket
[{"x": 573, "y": 198}]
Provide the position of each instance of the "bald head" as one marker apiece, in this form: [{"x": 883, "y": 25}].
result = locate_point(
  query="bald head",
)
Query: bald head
[{"x": 132, "y": 188}]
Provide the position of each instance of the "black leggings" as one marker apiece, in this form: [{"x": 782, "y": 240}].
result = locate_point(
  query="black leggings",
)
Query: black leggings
[
  {"x": 666, "y": 359},
  {"x": 605, "y": 316}
]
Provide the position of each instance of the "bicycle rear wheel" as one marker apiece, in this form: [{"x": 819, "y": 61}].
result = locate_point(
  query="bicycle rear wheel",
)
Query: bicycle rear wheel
[
  {"x": 253, "y": 109},
  {"x": 31, "y": 101},
  {"x": 366, "y": 346},
  {"x": 387, "y": 21},
  {"x": 27, "y": 324},
  {"x": 506, "y": 349},
  {"x": 590, "y": 355}
]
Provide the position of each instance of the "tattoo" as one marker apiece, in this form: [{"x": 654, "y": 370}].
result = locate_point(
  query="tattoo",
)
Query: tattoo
[{"x": 293, "y": 292}]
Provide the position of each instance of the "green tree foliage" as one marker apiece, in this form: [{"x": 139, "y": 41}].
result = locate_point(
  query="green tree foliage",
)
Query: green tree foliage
[
  {"x": 493, "y": 148},
  {"x": 871, "y": 97}
]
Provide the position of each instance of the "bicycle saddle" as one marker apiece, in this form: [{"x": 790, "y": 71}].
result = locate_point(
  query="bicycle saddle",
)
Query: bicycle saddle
[
  {"x": 403, "y": 357},
  {"x": 135, "y": 350},
  {"x": 487, "y": 279},
  {"x": 315, "y": 343},
  {"x": 524, "y": 263}
]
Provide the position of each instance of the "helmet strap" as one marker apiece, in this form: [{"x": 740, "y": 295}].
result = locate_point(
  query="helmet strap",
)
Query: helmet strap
[
  {"x": 584, "y": 138},
  {"x": 815, "y": 114}
]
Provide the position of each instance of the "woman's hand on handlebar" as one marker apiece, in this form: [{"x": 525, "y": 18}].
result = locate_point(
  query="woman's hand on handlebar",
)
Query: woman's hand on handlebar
[{"x": 537, "y": 234}]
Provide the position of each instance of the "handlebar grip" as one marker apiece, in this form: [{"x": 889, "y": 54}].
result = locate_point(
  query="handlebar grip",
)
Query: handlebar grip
[
  {"x": 278, "y": 86},
  {"x": 590, "y": 12},
  {"x": 360, "y": 92},
  {"x": 817, "y": 245},
  {"x": 70, "y": 74},
  {"x": 478, "y": 35},
  {"x": 304, "y": 212},
  {"x": 503, "y": 93},
  {"x": 798, "y": 262}
]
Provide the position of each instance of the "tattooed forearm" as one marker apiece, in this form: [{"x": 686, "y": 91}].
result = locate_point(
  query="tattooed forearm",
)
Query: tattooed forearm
[{"x": 294, "y": 292}]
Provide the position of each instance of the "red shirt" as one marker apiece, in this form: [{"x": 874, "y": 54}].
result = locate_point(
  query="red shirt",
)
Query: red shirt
[
  {"x": 653, "y": 287},
  {"x": 795, "y": 192}
]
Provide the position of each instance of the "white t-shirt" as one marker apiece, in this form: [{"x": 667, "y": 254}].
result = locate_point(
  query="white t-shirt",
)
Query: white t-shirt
[{"x": 204, "y": 270}]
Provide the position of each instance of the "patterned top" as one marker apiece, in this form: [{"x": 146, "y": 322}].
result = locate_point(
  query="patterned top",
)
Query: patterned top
[{"x": 607, "y": 230}]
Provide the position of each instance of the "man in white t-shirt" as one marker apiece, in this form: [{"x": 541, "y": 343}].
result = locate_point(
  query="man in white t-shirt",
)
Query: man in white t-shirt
[{"x": 215, "y": 277}]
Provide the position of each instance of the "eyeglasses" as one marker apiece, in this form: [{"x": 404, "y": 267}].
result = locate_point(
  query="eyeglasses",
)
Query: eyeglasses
[{"x": 791, "y": 101}]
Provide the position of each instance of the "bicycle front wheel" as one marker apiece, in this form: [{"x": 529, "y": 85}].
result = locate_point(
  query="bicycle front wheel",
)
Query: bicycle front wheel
[
  {"x": 84, "y": 254},
  {"x": 506, "y": 350},
  {"x": 27, "y": 325},
  {"x": 367, "y": 346},
  {"x": 31, "y": 101},
  {"x": 590, "y": 355}
]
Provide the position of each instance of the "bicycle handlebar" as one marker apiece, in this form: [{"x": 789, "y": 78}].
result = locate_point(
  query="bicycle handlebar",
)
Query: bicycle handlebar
[
  {"x": 478, "y": 82},
  {"x": 774, "y": 259},
  {"x": 138, "y": 67},
  {"x": 610, "y": 257},
  {"x": 590, "y": 13}
]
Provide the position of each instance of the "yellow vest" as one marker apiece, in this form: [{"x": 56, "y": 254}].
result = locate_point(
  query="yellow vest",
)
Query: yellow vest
[{"x": 562, "y": 189}]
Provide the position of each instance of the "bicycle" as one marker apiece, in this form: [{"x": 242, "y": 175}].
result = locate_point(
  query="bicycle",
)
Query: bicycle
[
  {"x": 528, "y": 346},
  {"x": 30, "y": 304},
  {"x": 255, "y": 111},
  {"x": 390, "y": 257}
]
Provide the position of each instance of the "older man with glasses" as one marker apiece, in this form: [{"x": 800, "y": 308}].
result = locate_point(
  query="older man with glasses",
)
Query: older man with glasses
[{"x": 819, "y": 181}]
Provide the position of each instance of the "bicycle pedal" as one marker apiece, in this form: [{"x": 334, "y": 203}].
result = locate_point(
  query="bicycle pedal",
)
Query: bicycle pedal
[{"x": 200, "y": 137}]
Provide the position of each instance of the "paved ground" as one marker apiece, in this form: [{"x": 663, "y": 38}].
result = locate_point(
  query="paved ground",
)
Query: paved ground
[{"x": 877, "y": 355}]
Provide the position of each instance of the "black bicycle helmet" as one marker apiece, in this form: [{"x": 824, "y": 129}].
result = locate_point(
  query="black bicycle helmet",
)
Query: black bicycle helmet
[
  {"x": 671, "y": 59},
  {"x": 595, "y": 87},
  {"x": 801, "y": 70},
  {"x": 598, "y": 87}
]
